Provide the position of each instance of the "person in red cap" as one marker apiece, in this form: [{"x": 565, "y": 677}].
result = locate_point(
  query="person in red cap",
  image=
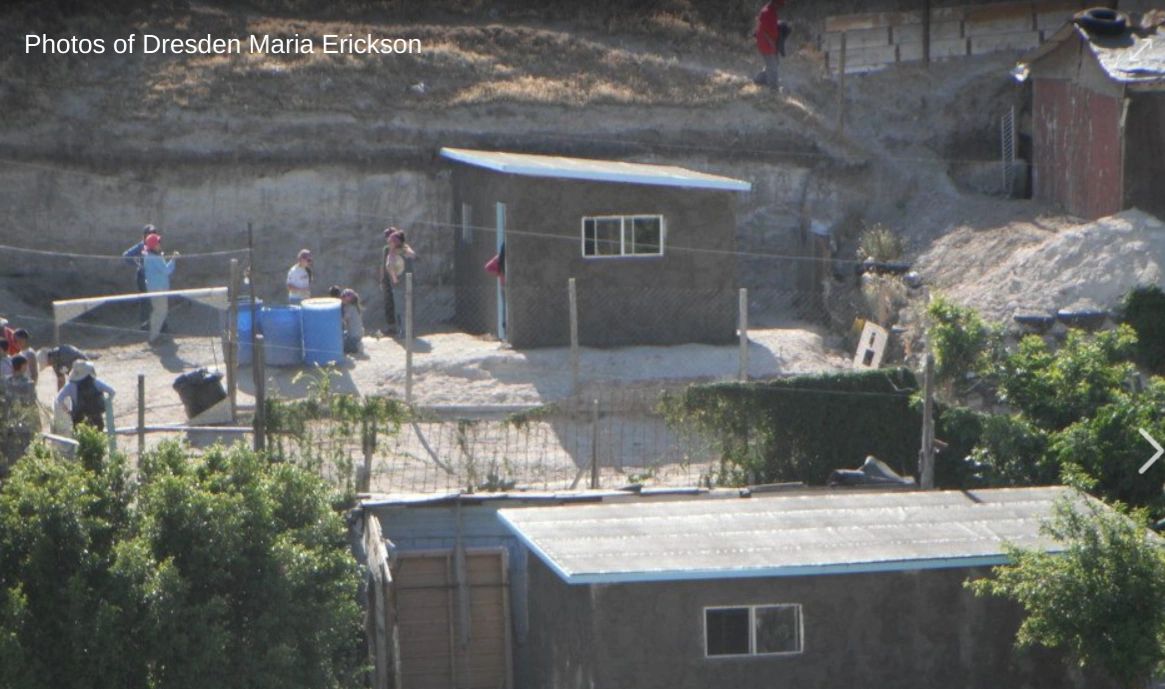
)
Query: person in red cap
[{"x": 770, "y": 41}]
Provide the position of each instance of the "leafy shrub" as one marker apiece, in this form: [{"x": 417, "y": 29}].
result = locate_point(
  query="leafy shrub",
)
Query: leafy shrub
[
  {"x": 791, "y": 429},
  {"x": 1143, "y": 309},
  {"x": 959, "y": 340}
]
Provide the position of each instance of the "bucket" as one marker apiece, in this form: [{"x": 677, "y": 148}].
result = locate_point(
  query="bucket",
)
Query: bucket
[
  {"x": 246, "y": 330},
  {"x": 282, "y": 335},
  {"x": 199, "y": 390},
  {"x": 323, "y": 332}
]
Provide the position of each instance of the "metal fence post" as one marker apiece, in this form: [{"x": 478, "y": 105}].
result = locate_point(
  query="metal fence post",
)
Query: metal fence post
[
  {"x": 232, "y": 353},
  {"x": 259, "y": 365},
  {"x": 408, "y": 338},
  {"x": 743, "y": 317},
  {"x": 595, "y": 444},
  {"x": 570, "y": 288},
  {"x": 141, "y": 416}
]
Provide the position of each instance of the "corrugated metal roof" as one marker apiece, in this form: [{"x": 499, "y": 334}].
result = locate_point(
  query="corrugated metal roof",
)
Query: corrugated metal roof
[
  {"x": 595, "y": 170},
  {"x": 1136, "y": 57},
  {"x": 830, "y": 533}
]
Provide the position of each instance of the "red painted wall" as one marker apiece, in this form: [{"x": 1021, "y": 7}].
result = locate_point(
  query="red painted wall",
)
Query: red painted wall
[{"x": 1077, "y": 148}]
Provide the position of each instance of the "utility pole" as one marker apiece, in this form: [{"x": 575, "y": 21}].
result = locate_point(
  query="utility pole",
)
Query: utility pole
[{"x": 926, "y": 455}]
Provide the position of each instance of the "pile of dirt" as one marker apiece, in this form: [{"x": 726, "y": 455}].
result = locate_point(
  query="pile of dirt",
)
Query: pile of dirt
[{"x": 1033, "y": 267}]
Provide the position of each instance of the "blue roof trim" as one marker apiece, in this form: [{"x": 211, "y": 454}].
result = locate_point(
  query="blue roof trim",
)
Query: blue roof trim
[
  {"x": 698, "y": 180},
  {"x": 542, "y": 555}
]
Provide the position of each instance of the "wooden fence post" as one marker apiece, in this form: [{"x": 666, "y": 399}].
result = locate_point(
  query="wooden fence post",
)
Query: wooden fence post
[{"x": 595, "y": 444}]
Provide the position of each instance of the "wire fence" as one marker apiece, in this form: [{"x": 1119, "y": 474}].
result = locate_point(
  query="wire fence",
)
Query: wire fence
[{"x": 543, "y": 383}]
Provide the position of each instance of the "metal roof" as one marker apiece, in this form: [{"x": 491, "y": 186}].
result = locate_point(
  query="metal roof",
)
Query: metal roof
[
  {"x": 827, "y": 533},
  {"x": 1136, "y": 57},
  {"x": 558, "y": 167}
]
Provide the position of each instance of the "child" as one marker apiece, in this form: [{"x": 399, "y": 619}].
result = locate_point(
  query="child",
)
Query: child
[{"x": 353, "y": 322}]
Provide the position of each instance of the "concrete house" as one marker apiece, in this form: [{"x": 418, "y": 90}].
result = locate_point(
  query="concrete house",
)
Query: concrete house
[
  {"x": 1098, "y": 118},
  {"x": 827, "y": 589},
  {"x": 651, "y": 248}
]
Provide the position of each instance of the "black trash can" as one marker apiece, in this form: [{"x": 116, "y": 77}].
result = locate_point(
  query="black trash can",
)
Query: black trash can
[{"x": 199, "y": 390}]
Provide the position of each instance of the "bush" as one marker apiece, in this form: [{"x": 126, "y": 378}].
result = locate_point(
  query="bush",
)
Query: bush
[
  {"x": 792, "y": 429},
  {"x": 879, "y": 243},
  {"x": 1143, "y": 310}
]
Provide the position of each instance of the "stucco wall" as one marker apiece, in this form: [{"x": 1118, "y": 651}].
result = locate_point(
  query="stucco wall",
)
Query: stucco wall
[
  {"x": 686, "y": 295},
  {"x": 904, "y": 630}
]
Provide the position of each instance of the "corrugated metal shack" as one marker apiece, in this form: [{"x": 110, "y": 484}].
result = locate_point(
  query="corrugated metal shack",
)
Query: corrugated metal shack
[{"x": 1098, "y": 117}]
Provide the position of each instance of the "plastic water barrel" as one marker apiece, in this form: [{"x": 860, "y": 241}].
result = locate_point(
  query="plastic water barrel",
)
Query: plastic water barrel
[
  {"x": 246, "y": 330},
  {"x": 323, "y": 333},
  {"x": 282, "y": 335}
]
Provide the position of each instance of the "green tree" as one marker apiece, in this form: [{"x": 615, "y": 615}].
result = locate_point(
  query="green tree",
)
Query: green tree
[
  {"x": 959, "y": 339},
  {"x": 226, "y": 570},
  {"x": 1143, "y": 309},
  {"x": 1054, "y": 389},
  {"x": 1102, "y": 598}
]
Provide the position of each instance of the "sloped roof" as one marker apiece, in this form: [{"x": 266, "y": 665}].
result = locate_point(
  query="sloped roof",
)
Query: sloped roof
[
  {"x": 559, "y": 167},
  {"x": 824, "y": 533},
  {"x": 1136, "y": 57}
]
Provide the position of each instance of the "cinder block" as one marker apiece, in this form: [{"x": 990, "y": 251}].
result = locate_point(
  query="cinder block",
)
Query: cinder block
[
  {"x": 939, "y": 31},
  {"x": 906, "y": 33},
  {"x": 862, "y": 38},
  {"x": 910, "y": 52},
  {"x": 942, "y": 31},
  {"x": 872, "y": 20},
  {"x": 865, "y": 57},
  {"x": 998, "y": 25},
  {"x": 948, "y": 48},
  {"x": 1022, "y": 40},
  {"x": 1051, "y": 21}
]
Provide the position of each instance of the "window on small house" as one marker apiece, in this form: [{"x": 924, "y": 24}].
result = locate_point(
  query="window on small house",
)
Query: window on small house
[
  {"x": 752, "y": 630},
  {"x": 622, "y": 235}
]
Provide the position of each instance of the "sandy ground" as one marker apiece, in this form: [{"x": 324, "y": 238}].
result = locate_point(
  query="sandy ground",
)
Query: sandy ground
[
  {"x": 458, "y": 370},
  {"x": 1049, "y": 264},
  {"x": 467, "y": 384}
]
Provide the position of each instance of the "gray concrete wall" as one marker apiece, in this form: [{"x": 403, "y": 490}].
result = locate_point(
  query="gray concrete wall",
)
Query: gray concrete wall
[
  {"x": 905, "y": 630},
  {"x": 686, "y": 295}
]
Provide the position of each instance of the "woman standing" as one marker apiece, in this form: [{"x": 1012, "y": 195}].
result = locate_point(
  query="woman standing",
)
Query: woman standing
[
  {"x": 158, "y": 271},
  {"x": 392, "y": 271},
  {"x": 299, "y": 278}
]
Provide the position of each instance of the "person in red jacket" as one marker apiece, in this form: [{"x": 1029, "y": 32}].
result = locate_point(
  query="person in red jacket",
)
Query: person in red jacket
[{"x": 770, "y": 41}]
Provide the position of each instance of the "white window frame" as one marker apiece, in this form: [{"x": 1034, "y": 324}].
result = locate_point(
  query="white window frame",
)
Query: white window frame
[
  {"x": 626, "y": 225},
  {"x": 752, "y": 652}
]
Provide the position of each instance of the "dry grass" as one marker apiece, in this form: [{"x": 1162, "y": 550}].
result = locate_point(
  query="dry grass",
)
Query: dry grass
[{"x": 661, "y": 59}]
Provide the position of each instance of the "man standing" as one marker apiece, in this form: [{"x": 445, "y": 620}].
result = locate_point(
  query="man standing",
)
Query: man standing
[
  {"x": 769, "y": 42},
  {"x": 133, "y": 257}
]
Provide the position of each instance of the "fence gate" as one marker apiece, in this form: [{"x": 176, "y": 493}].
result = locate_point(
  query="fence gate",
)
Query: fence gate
[{"x": 453, "y": 619}]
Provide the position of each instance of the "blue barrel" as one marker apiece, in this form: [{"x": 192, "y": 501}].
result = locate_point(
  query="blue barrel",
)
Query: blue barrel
[
  {"x": 282, "y": 335},
  {"x": 323, "y": 333},
  {"x": 245, "y": 330}
]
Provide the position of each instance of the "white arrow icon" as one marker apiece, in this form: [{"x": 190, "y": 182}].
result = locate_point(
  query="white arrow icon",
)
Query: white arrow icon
[{"x": 1160, "y": 451}]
